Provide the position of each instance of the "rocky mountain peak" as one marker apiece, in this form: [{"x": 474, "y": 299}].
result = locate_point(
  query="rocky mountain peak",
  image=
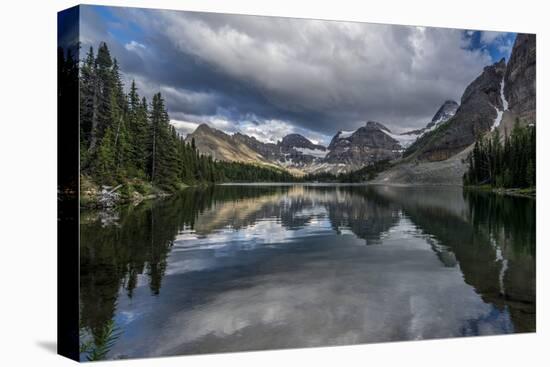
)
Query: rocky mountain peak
[
  {"x": 487, "y": 84},
  {"x": 376, "y": 125},
  {"x": 298, "y": 141},
  {"x": 203, "y": 128},
  {"x": 368, "y": 144},
  {"x": 222, "y": 146},
  {"x": 447, "y": 109},
  {"x": 444, "y": 113}
]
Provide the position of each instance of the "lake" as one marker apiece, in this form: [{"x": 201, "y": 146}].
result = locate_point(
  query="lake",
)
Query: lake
[{"x": 250, "y": 267}]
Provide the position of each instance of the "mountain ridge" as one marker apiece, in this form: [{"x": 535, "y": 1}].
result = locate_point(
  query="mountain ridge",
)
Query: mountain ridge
[{"x": 347, "y": 151}]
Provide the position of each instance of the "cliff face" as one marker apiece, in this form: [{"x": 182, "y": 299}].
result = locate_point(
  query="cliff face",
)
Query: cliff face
[
  {"x": 366, "y": 145},
  {"x": 476, "y": 115},
  {"x": 520, "y": 78}
]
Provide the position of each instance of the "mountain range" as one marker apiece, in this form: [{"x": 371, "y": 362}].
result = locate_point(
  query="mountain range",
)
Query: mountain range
[{"x": 502, "y": 93}]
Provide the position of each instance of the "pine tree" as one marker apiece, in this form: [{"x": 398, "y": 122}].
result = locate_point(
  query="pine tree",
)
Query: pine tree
[
  {"x": 88, "y": 85},
  {"x": 511, "y": 163},
  {"x": 118, "y": 109},
  {"x": 163, "y": 162},
  {"x": 104, "y": 163},
  {"x": 137, "y": 129}
]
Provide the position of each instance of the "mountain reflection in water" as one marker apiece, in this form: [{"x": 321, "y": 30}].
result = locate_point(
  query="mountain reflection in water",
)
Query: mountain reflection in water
[{"x": 245, "y": 267}]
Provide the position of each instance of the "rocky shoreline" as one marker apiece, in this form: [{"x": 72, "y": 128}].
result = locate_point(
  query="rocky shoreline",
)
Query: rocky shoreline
[{"x": 93, "y": 196}]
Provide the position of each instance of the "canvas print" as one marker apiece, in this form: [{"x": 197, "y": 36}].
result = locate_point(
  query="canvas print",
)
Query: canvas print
[{"x": 233, "y": 182}]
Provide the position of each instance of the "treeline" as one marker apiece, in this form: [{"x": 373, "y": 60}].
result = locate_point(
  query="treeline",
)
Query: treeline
[
  {"x": 366, "y": 173},
  {"x": 123, "y": 136},
  {"x": 508, "y": 165},
  {"x": 242, "y": 172}
]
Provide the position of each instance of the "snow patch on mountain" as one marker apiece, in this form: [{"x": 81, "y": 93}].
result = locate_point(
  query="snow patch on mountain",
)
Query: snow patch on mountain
[
  {"x": 317, "y": 153},
  {"x": 345, "y": 134},
  {"x": 405, "y": 140},
  {"x": 444, "y": 117},
  {"x": 500, "y": 113},
  {"x": 440, "y": 120}
]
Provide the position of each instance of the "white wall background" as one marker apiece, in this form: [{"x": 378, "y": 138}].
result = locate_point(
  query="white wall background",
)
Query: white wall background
[{"x": 28, "y": 182}]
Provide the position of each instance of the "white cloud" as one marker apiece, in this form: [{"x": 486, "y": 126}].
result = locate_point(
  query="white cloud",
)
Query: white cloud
[
  {"x": 184, "y": 127},
  {"x": 134, "y": 46},
  {"x": 360, "y": 71},
  {"x": 272, "y": 130},
  {"x": 188, "y": 98},
  {"x": 269, "y": 131},
  {"x": 318, "y": 76}
]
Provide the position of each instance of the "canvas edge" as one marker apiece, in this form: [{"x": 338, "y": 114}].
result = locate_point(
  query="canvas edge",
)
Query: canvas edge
[{"x": 68, "y": 234}]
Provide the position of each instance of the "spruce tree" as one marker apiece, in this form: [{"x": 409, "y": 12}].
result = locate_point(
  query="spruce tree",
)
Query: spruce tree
[
  {"x": 88, "y": 84},
  {"x": 510, "y": 164},
  {"x": 163, "y": 151},
  {"x": 101, "y": 118},
  {"x": 137, "y": 129}
]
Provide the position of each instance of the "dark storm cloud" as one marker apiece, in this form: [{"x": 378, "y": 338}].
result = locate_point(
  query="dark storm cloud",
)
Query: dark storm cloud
[{"x": 240, "y": 73}]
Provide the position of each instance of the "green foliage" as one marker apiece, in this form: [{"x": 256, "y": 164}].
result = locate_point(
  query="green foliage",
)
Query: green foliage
[
  {"x": 104, "y": 164},
  {"x": 240, "y": 172},
  {"x": 162, "y": 153},
  {"x": 511, "y": 164}
]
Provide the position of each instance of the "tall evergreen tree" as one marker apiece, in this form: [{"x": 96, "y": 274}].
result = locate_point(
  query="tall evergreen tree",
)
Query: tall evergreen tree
[
  {"x": 163, "y": 161},
  {"x": 137, "y": 128},
  {"x": 101, "y": 116},
  {"x": 88, "y": 84},
  {"x": 511, "y": 163}
]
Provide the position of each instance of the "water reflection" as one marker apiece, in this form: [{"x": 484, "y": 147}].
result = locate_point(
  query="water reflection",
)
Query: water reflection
[{"x": 232, "y": 268}]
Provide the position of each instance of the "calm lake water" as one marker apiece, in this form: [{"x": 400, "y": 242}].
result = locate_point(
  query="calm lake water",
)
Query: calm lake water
[{"x": 248, "y": 267}]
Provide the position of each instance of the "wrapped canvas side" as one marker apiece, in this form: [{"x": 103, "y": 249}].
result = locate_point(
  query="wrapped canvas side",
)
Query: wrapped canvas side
[{"x": 67, "y": 183}]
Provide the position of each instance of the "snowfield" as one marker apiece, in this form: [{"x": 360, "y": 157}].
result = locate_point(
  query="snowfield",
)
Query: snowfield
[
  {"x": 317, "y": 153},
  {"x": 500, "y": 113},
  {"x": 405, "y": 140},
  {"x": 345, "y": 134}
]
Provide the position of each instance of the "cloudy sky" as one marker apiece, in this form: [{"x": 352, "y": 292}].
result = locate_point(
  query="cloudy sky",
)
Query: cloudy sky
[{"x": 267, "y": 76}]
